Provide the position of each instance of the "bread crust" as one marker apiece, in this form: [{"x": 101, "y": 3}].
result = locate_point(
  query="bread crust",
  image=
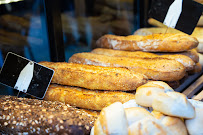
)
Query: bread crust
[
  {"x": 33, "y": 116},
  {"x": 83, "y": 98},
  {"x": 95, "y": 77},
  {"x": 191, "y": 53},
  {"x": 185, "y": 60},
  {"x": 169, "y": 42},
  {"x": 155, "y": 69}
]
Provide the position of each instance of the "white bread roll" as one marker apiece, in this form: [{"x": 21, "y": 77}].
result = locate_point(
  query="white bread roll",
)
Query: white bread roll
[
  {"x": 196, "y": 103},
  {"x": 173, "y": 104},
  {"x": 134, "y": 114},
  {"x": 112, "y": 120},
  {"x": 148, "y": 126},
  {"x": 200, "y": 58},
  {"x": 132, "y": 103},
  {"x": 146, "y": 93},
  {"x": 92, "y": 131},
  {"x": 175, "y": 124},
  {"x": 195, "y": 125}
]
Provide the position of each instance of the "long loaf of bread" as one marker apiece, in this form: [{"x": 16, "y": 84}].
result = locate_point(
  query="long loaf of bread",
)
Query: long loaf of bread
[
  {"x": 83, "y": 98},
  {"x": 152, "y": 43},
  {"x": 155, "y": 69},
  {"x": 193, "y": 54},
  {"x": 95, "y": 77},
  {"x": 185, "y": 60}
]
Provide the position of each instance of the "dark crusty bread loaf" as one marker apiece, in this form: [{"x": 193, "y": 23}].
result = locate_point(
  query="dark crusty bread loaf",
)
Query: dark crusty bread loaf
[
  {"x": 155, "y": 69},
  {"x": 185, "y": 60},
  {"x": 95, "y": 77},
  {"x": 83, "y": 98},
  {"x": 32, "y": 116},
  {"x": 152, "y": 43}
]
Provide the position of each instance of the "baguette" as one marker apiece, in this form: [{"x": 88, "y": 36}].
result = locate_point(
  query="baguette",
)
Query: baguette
[
  {"x": 193, "y": 54},
  {"x": 83, "y": 98},
  {"x": 152, "y": 43},
  {"x": 185, "y": 60},
  {"x": 33, "y": 116},
  {"x": 95, "y": 77},
  {"x": 197, "y": 33},
  {"x": 155, "y": 69}
]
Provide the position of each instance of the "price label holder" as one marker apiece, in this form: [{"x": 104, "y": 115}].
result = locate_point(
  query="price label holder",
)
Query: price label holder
[
  {"x": 179, "y": 14},
  {"x": 25, "y": 75}
]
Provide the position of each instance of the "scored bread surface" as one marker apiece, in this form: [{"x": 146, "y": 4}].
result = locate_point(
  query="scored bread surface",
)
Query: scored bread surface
[
  {"x": 83, "y": 98},
  {"x": 185, "y": 60},
  {"x": 155, "y": 69},
  {"x": 152, "y": 43}
]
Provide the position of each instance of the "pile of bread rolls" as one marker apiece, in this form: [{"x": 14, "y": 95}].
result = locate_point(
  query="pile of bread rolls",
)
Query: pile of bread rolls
[{"x": 157, "y": 109}]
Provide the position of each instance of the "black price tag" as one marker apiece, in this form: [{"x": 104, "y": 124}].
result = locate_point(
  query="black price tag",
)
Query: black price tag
[
  {"x": 179, "y": 14},
  {"x": 25, "y": 75}
]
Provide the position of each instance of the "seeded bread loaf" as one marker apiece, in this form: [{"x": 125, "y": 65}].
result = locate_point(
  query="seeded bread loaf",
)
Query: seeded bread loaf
[
  {"x": 151, "y": 43},
  {"x": 83, "y": 98},
  {"x": 155, "y": 69},
  {"x": 95, "y": 77},
  {"x": 32, "y": 116}
]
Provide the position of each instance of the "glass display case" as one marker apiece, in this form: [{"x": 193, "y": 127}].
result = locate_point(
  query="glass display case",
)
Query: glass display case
[{"x": 48, "y": 30}]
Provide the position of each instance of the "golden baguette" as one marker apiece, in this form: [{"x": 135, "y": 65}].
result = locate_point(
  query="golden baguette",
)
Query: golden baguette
[
  {"x": 154, "y": 68},
  {"x": 152, "y": 43},
  {"x": 95, "y": 77},
  {"x": 83, "y": 98},
  {"x": 193, "y": 54},
  {"x": 185, "y": 60}
]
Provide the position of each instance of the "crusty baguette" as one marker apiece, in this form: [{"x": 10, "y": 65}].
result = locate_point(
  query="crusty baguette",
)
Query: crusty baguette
[
  {"x": 154, "y": 22},
  {"x": 193, "y": 54},
  {"x": 39, "y": 117},
  {"x": 155, "y": 69},
  {"x": 185, "y": 60},
  {"x": 155, "y": 30},
  {"x": 151, "y": 43},
  {"x": 83, "y": 98},
  {"x": 95, "y": 77},
  {"x": 197, "y": 33}
]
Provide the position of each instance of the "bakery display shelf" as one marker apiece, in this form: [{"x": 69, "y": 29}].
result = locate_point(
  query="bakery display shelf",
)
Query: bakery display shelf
[{"x": 195, "y": 89}]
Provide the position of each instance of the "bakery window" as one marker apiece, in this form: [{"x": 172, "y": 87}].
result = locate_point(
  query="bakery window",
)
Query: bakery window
[{"x": 48, "y": 30}]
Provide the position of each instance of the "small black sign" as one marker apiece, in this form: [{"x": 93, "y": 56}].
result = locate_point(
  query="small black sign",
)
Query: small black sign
[
  {"x": 187, "y": 18},
  {"x": 25, "y": 75}
]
